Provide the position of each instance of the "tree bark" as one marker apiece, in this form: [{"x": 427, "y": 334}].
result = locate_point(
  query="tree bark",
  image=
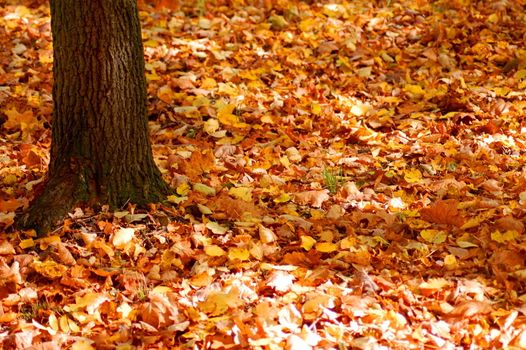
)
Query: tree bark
[{"x": 100, "y": 150}]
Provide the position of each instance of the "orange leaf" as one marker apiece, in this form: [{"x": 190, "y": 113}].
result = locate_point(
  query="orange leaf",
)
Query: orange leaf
[
  {"x": 10, "y": 205},
  {"x": 17, "y": 120},
  {"x": 443, "y": 212}
]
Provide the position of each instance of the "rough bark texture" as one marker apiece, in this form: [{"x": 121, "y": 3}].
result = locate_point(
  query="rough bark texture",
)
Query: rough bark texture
[{"x": 100, "y": 151}]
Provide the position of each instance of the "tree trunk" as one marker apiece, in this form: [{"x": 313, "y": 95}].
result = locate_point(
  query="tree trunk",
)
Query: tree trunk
[{"x": 100, "y": 150}]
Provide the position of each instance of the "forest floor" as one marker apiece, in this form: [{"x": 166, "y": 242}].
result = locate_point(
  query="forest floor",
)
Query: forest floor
[{"x": 348, "y": 175}]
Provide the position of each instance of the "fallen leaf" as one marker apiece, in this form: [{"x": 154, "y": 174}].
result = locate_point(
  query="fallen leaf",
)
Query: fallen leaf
[
  {"x": 443, "y": 212},
  {"x": 313, "y": 198}
]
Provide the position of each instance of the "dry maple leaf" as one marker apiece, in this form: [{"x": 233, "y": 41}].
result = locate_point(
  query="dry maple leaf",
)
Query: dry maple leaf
[
  {"x": 443, "y": 212},
  {"x": 509, "y": 223},
  {"x": 225, "y": 206},
  {"x": 312, "y": 198},
  {"x": 506, "y": 260}
]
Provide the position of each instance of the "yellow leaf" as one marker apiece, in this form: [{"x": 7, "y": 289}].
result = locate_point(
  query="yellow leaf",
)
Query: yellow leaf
[
  {"x": 161, "y": 290},
  {"x": 307, "y": 24},
  {"x": 520, "y": 74},
  {"x": 473, "y": 222},
  {"x": 315, "y": 108},
  {"x": 434, "y": 236},
  {"x": 215, "y": 304},
  {"x": 53, "y": 322},
  {"x": 307, "y": 242},
  {"x": 176, "y": 199},
  {"x": 433, "y": 285},
  {"x": 386, "y": 57},
  {"x": 250, "y": 74},
  {"x": 347, "y": 243},
  {"x": 477, "y": 220},
  {"x": 239, "y": 254},
  {"x": 64, "y": 323},
  {"x": 183, "y": 189},
  {"x": 344, "y": 61},
  {"x": 364, "y": 72},
  {"x": 151, "y": 43},
  {"x": 502, "y": 237},
  {"x": 450, "y": 262},
  {"x": 360, "y": 109},
  {"x": 465, "y": 244},
  {"x": 50, "y": 269},
  {"x": 317, "y": 214},
  {"x": 412, "y": 175},
  {"x": 216, "y": 228},
  {"x": 334, "y": 10},
  {"x": 82, "y": 345},
  {"x": 204, "y": 209},
  {"x": 201, "y": 280},
  {"x": 214, "y": 250},
  {"x": 152, "y": 76},
  {"x": 226, "y": 109},
  {"x": 267, "y": 119},
  {"x": 225, "y": 116},
  {"x": 45, "y": 56},
  {"x": 502, "y": 91},
  {"x": 211, "y": 126},
  {"x": 229, "y": 89},
  {"x": 285, "y": 161},
  {"x": 208, "y": 83},
  {"x": 414, "y": 89},
  {"x": 493, "y": 18},
  {"x": 283, "y": 198},
  {"x": 243, "y": 193},
  {"x": 19, "y": 121},
  {"x": 314, "y": 305},
  {"x": 326, "y": 247},
  {"x": 204, "y": 189},
  {"x": 278, "y": 22}
]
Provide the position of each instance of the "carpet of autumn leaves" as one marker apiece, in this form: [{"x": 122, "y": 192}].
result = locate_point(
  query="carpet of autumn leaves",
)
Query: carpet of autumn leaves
[{"x": 347, "y": 175}]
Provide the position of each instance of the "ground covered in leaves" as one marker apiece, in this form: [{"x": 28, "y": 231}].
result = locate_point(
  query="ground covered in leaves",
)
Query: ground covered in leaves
[{"x": 347, "y": 175}]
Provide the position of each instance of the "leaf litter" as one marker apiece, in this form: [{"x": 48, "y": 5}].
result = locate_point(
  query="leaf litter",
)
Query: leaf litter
[{"x": 347, "y": 175}]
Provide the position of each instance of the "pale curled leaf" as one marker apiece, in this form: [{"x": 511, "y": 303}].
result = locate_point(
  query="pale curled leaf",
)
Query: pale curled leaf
[
  {"x": 313, "y": 198},
  {"x": 122, "y": 237}
]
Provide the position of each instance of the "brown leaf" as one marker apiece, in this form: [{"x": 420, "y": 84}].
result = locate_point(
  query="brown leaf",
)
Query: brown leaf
[
  {"x": 506, "y": 260},
  {"x": 443, "y": 212},
  {"x": 312, "y": 198},
  {"x": 198, "y": 164},
  {"x": 225, "y": 206},
  {"x": 509, "y": 223}
]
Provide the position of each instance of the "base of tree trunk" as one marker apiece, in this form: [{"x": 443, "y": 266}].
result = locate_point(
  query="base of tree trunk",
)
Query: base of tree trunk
[{"x": 62, "y": 193}]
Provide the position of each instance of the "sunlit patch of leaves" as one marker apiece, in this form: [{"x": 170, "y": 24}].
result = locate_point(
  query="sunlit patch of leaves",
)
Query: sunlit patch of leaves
[{"x": 418, "y": 115}]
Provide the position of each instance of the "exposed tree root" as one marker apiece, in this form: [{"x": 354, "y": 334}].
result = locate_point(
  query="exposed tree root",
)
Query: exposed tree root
[
  {"x": 62, "y": 193},
  {"x": 47, "y": 210}
]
